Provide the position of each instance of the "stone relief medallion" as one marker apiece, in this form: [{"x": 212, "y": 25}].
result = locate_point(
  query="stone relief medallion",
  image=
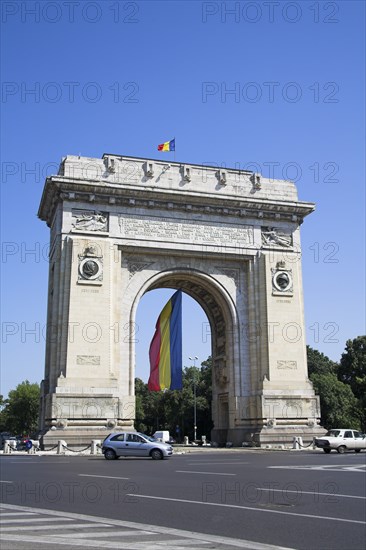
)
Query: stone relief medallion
[
  {"x": 90, "y": 266},
  {"x": 282, "y": 281},
  {"x": 90, "y": 269}
]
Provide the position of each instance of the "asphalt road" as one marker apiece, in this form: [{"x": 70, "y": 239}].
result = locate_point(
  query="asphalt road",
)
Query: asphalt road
[{"x": 248, "y": 499}]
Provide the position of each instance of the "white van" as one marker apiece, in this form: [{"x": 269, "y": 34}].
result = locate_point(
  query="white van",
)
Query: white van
[{"x": 163, "y": 436}]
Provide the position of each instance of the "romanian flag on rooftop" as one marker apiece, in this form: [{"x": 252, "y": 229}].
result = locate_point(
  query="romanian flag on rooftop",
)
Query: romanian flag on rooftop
[
  {"x": 166, "y": 347},
  {"x": 167, "y": 146}
]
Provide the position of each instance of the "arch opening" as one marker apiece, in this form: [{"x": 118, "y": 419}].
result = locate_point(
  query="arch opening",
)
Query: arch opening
[{"x": 220, "y": 313}]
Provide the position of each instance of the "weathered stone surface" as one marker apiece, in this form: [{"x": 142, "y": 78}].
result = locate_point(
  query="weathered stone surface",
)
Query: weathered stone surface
[{"x": 121, "y": 226}]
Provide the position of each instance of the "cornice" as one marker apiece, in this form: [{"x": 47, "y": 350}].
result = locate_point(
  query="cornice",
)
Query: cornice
[{"x": 59, "y": 188}]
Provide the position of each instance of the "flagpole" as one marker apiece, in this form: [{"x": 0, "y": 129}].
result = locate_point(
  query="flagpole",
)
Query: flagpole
[{"x": 174, "y": 148}]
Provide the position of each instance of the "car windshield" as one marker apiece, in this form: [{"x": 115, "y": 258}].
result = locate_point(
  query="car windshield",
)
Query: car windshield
[
  {"x": 147, "y": 437},
  {"x": 333, "y": 433}
]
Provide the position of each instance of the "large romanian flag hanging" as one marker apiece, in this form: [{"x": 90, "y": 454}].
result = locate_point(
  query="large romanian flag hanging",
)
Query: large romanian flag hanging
[
  {"x": 166, "y": 348},
  {"x": 167, "y": 146}
]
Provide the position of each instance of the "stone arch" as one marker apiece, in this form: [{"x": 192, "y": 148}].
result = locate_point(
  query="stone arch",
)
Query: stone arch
[
  {"x": 222, "y": 315},
  {"x": 222, "y": 236}
]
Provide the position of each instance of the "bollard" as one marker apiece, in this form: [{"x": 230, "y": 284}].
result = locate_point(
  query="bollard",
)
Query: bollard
[
  {"x": 6, "y": 447},
  {"x": 12, "y": 445},
  {"x": 60, "y": 444},
  {"x": 94, "y": 446},
  {"x": 185, "y": 440},
  {"x": 36, "y": 445},
  {"x": 301, "y": 444}
]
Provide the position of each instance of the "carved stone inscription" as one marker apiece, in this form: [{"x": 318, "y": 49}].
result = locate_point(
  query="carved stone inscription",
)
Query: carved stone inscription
[
  {"x": 170, "y": 230},
  {"x": 287, "y": 364},
  {"x": 88, "y": 360}
]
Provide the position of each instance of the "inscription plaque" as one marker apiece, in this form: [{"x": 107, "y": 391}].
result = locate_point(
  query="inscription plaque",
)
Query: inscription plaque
[{"x": 186, "y": 231}]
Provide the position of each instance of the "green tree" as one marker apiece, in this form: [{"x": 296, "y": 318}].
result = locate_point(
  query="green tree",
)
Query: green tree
[
  {"x": 318, "y": 363},
  {"x": 339, "y": 407},
  {"x": 171, "y": 409},
  {"x": 352, "y": 371},
  {"x": 20, "y": 414}
]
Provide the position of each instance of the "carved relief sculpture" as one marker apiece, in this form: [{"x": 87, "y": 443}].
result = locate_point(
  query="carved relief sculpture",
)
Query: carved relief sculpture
[
  {"x": 272, "y": 236},
  {"x": 90, "y": 221}
]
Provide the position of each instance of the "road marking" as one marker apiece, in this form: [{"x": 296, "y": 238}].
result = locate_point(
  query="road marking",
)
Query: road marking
[
  {"x": 205, "y": 473},
  {"x": 12, "y": 514},
  {"x": 209, "y": 463},
  {"x": 90, "y": 543},
  {"x": 2, "y": 481},
  {"x": 32, "y": 520},
  {"x": 310, "y": 516},
  {"x": 163, "y": 532},
  {"x": 47, "y": 527},
  {"x": 300, "y": 492},
  {"x": 107, "y": 477},
  {"x": 325, "y": 467},
  {"x": 102, "y": 534}
]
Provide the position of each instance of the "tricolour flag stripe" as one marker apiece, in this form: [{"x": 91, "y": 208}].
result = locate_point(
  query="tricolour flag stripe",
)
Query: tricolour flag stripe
[
  {"x": 167, "y": 146},
  {"x": 166, "y": 347}
]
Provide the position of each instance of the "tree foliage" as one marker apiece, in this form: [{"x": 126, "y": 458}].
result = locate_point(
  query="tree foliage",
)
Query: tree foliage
[
  {"x": 318, "y": 363},
  {"x": 174, "y": 410},
  {"x": 341, "y": 387},
  {"x": 20, "y": 413},
  {"x": 352, "y": 369},
  {"x": 339, "y": 407}
]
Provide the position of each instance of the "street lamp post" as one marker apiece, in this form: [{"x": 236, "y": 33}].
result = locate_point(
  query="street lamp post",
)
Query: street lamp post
[{"x": 194, "y": 359}]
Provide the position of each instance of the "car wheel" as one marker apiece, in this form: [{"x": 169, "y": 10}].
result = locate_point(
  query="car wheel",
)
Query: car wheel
[
  {"x": 357, "y": 450},
  {"x": 341, "y": 450},
  {"x": 327, "y": 451},
  {"x": 110, "y": 454},
  {"x": 156, "y": 454}
]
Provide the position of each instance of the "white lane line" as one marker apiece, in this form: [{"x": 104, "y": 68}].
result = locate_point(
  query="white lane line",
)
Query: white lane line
[
  {"x": 209, "y": 463},
  {"x": 3, "y": 481},
  {"x": 204, "y": 473},
  {"x": 195, "y": 539},
  {"x": 32, "y": 520},
  {"x": 107, "y": 477},
  {"x": 102, "y": 534},
  {"x": 324, "y": 467},
  {"x": 157, "y": 529},
  {"x": 47, "y": 527},
  {"x": 300, "y": 492},
  {"x": 114, "y": 544},
  {"x": 13, "y": 514},
  {"x": 310, "y": 516}
]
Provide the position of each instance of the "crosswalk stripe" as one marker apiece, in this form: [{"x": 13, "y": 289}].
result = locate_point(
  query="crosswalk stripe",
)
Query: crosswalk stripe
[
  {"x": 32, "y": 520},
  {"x": 12, "y": 514},
  {"x": 89, "y": 543},
  {"x": 102, "y": 534},
  {"x": 101, "y": 522},
  {"x": 47, "y": 527}
]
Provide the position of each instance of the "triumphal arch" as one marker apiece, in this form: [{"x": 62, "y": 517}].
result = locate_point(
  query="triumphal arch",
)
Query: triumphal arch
[{"x": 122, "y": 226}]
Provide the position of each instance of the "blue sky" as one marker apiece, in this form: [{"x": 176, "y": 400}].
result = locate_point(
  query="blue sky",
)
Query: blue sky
[{"x": 274, "y": 85}]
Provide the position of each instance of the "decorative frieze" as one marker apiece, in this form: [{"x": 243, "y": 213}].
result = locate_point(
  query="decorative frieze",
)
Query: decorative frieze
[{"x": 187, "y": 231}]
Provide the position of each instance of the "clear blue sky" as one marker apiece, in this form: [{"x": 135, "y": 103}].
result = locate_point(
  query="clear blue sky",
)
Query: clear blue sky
[{"x": 122, "y": 77}]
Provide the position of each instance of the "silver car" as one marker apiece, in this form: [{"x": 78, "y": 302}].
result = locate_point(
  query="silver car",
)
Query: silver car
[{"x": 134, "y": 444}]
